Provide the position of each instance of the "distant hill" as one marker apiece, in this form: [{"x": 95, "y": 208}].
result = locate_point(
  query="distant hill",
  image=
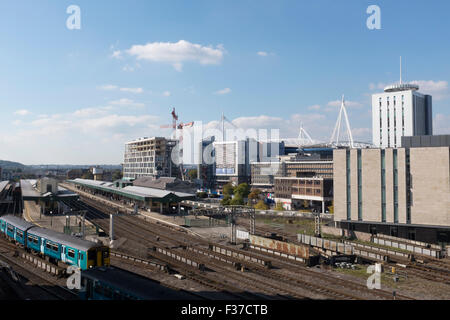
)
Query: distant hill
[{"x": 4, "y": 164}]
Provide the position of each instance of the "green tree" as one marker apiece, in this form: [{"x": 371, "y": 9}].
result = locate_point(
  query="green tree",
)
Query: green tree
[
  {"x": 202, "y": 194},
  {"x": 227, "y": 190},
  {"x": 226, "y": 201},
  {"x": 87, "y": 175},
  {"x": 254, "y": 195},
  {"x": 243, "y": 190},
  {"x": 331, "y": 208},
  {"x": 192, "y": 174},
  {"x": 279, "y": 206},
  {"x": 261, "y": 205},
  {"x": 237, "y": 200},
  {"x": 116, "y": 175}
]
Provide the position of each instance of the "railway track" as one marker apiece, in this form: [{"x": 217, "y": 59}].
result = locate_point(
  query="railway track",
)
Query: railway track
[
  {"x": 129, "y": 231},
  {"x": 168, "y": 235},
  {"x": 27, "y": 280}
]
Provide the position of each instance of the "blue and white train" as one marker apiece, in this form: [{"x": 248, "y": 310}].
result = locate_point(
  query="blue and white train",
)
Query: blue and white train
[{"x": 54, "y": 245}]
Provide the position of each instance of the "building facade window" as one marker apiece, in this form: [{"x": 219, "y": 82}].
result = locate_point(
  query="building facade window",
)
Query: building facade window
[
  {"x": 360, "y": 218},
  {"x": 395, "y": 157},
  {"x": 349, "y": 207},
  {"x": 383, "y": 186},
  {"x": 408, "y": 187}
]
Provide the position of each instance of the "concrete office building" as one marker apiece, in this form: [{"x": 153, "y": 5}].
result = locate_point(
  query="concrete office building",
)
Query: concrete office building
[
  {"x": 402, "y": 192},
  {"x": 264, "y": 173},
  {"x": 232, "y": 161},
  {"x": 293, "y": 192},
  {"x": 149, "y": 157},
  {"x": 400, "y": 111}
]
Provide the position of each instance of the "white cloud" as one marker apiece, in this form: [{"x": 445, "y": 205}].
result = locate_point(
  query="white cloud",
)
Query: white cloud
[
  {"x": 438, "y": 89},
  {"x": 177, "y": 53},
  {"x": 22, "y": 112},
  {"x": 314, "y": 107},
  {"x": 127, "y": 103},
  {"x": 262, "y": 53},
  {"x": 362, "y": 134},
  {"x": 132, "y": 90},
  {"x": 117, "y": 54},
  {"x": 441, "y": 124},
  {"x": 223, "y": 91},
  {"x": 166, "y": 94},
  {"x": 108, "y": 87},
  {"x": 127, "y": 68},
  {"x": 88, "y": 112},
  {"x": 348, "y": 103}
]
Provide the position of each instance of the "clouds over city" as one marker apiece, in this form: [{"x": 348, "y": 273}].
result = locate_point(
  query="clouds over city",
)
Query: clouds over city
[
  {"x": 110, "y": 87},
  {"x": 175, "y": 53}
]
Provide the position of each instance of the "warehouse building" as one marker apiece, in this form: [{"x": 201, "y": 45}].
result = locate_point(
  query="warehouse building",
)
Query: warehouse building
[{"x": 402, "y": 192}]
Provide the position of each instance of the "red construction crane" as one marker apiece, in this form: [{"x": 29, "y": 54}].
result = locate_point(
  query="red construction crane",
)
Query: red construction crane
[
  {"x": 180, "y": 126},
  {"x": 174, "y": 122}
]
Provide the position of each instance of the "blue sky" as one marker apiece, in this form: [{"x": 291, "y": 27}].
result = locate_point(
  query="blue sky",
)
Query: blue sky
[{"x": 76, "y": 96}]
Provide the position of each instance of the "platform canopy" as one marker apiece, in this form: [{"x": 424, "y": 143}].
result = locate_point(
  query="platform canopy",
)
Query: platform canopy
[
  {"x": 29, "y": 192},
  {"x": 135, "y": 193},
  {"x": 3, "y": 185}
]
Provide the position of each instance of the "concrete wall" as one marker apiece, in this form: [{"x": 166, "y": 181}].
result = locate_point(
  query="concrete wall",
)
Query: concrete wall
[
  {"x": 430, "y": 186},
  {"x": 430, "y": 170},
  {"x": 371, "y": 184},
  {"x": 401, "y": 163},
  {"x": 354, "y": 183},
  {"x": 340, "y": 185},
  {"x": 389, "y": 160}
]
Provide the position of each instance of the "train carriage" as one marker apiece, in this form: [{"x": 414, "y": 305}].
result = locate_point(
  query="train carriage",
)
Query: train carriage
[
  {"x": 54, "y": 245},
  {"x": 15, "y": 228},
  {"x": 70, "y": 250}
]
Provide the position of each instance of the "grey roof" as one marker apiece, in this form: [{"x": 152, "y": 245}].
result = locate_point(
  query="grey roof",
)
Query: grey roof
[
  {"x": 63, "y": 238},
  {"x": 30, "y": 192},
  {"x": 157, "y": 193},
  {"x": 17, "y": 222},
  {"x": 27, "y": 189},
  {"x": 3, "y": 184},
  {"x": 140, "y": 193},
  {"x": 160, "y": 183}
]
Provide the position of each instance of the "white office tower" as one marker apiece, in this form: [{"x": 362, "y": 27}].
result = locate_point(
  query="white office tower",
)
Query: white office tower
[{"x": 400, "y": 111}]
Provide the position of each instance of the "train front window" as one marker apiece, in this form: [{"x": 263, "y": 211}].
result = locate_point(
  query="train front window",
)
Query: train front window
[
  {"x": 106, "y": 254},
  {"x": 91, "y": 255}
]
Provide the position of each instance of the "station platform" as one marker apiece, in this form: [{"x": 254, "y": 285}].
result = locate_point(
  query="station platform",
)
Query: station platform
[{"x": 31, "y": 213}]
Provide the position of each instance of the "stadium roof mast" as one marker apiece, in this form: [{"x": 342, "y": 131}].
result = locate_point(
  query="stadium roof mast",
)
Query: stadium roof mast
[
  {"x": 303, "y": 136},
  {"x": 337, "y": 127}
]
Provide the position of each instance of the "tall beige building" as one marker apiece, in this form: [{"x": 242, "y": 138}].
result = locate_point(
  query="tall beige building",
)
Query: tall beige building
[{"x": 403, "y": 192}]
